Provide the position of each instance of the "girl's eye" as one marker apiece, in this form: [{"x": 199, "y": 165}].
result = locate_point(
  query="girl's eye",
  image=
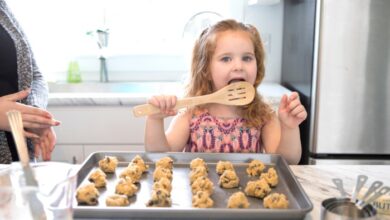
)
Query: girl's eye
[
  {"x": 226, "y": 59},
  {"x": 247, "y": 58}
]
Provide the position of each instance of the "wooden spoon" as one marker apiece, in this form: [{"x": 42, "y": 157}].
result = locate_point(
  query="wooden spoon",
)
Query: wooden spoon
[
  {"x": 16, "y": 124},
  {"x": 239, "y": 93}
]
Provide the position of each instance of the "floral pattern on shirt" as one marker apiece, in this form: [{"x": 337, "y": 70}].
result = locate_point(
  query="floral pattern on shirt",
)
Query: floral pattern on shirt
[{"x": 217, "y": 135}]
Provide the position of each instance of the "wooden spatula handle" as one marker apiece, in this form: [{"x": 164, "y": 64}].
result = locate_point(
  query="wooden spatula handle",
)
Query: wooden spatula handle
[
  {"x": 239, "y": 93},
  {"x": 148, "y": 109},
  {"x": 145, "y": 109}
]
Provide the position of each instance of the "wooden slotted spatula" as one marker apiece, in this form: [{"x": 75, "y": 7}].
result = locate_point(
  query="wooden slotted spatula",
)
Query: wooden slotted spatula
[{"x": 239, "y": 93}]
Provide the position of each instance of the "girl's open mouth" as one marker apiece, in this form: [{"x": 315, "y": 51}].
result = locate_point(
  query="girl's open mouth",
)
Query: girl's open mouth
[{"x": 235, "y": 80}]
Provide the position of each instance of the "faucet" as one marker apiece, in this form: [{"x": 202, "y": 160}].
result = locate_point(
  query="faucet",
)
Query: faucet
[{"x": 102, "y": 41}]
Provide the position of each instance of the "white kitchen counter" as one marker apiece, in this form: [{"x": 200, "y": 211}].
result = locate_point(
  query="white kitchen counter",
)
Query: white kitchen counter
[{"x": 125, "y": 94}]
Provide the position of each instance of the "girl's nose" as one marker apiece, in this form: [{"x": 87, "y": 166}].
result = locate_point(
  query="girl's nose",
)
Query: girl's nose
[{"x": 238, "y": 65}]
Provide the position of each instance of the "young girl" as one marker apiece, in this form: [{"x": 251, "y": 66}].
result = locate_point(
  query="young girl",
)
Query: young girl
[{"x": 225, "y": 53}]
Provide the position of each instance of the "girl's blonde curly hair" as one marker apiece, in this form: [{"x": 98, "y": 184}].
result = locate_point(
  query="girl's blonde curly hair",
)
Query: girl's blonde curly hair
[{"x": 256, "y": 113}]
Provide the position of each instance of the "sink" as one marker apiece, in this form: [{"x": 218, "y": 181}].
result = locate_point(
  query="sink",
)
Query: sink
[{"x": 117, "y": 87}]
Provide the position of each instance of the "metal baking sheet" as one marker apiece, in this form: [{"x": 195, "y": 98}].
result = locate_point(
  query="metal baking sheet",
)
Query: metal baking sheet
[{"x": 299, "y": 203}]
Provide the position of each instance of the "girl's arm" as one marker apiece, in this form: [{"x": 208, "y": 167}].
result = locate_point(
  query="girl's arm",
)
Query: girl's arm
[
  {"x": 270, "y": 135},
  {"x": 290, "y": 144},
  {"x": 291, "y": 114},
  {"x": 177, "y": 134},
  {"x": 155, "y": 139},
  {"x": 278, "y": 140},
  {"x": 178, "y": 131}
]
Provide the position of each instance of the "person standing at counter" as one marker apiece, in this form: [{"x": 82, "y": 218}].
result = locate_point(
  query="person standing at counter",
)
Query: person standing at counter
[
  {"x": 22, "y": 88},
  {"x": 227, "y": 52}
]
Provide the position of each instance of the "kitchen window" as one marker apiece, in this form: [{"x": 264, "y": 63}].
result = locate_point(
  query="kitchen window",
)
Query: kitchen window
[{"x": 147, "y": 38}]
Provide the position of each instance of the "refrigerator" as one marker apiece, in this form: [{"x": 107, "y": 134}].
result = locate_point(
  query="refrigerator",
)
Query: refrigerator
[{"x": 336, "y": 54}]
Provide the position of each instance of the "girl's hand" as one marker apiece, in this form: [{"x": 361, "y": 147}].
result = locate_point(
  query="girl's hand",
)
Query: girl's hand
[
  {"x": 166, "y": 105},
  {"x": 291, "y": 111}
]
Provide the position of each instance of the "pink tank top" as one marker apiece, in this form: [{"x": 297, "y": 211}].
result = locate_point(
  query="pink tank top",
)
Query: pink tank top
[{"x": 216, "y": 135}]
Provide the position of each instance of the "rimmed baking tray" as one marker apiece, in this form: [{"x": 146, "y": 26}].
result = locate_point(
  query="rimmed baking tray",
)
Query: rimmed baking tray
[{"x": 299, "y": 203}]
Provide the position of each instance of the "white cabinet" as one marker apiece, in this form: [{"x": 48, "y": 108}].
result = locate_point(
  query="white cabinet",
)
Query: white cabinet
[
  {"x": 68, "y": 153},
  {"x": 76, "y": 154},
  {"x": 86, "y": 129},
  {"x": 98, "y": 125},
  {"x": 89, "y": 149}
]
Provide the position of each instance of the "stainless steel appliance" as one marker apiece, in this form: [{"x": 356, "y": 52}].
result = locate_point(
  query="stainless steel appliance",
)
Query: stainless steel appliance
[{"x": 348, "y": 94}]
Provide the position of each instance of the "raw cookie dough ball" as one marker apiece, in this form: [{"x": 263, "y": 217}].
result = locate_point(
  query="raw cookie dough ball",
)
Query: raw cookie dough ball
[
  {"x": 197, "y": 162},
  {"x": 87, "y": 195},
  {"x": 258, "y": 188},
  {"x": 202, "y": 200},
  {"x": 134, "y": 172},
  {"x": 163, "y": 183},
  {"x": 223, "y": 165},
  {"x": 137, "y": 160},
  {"x": 108, "y": 164},
  {"x": 98, "y": 177},
  {"x": 160, "y": 198},
  {"x": 255, "y": 168},
  {"x": 276, "y": 201},
  {"x": 117, "y": 200},
  {"x": 197, "y": 172},
  {"x": 229, "y": 179},
  {"x": 202, "y": 184},
  {"x": 238, "y": 200},
  {"x": 125, "y": 186},
  {"x": 161, "y": 172},
  {"x": 165, "y": 162},
  {"x": 271, "y": 177}
]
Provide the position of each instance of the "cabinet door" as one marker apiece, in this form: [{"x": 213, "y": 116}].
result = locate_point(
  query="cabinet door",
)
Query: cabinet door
[
  {"x": 89, "y": 149},
  {"x": 68, "y": 153},
  {"x": 99, "y": 125}
]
